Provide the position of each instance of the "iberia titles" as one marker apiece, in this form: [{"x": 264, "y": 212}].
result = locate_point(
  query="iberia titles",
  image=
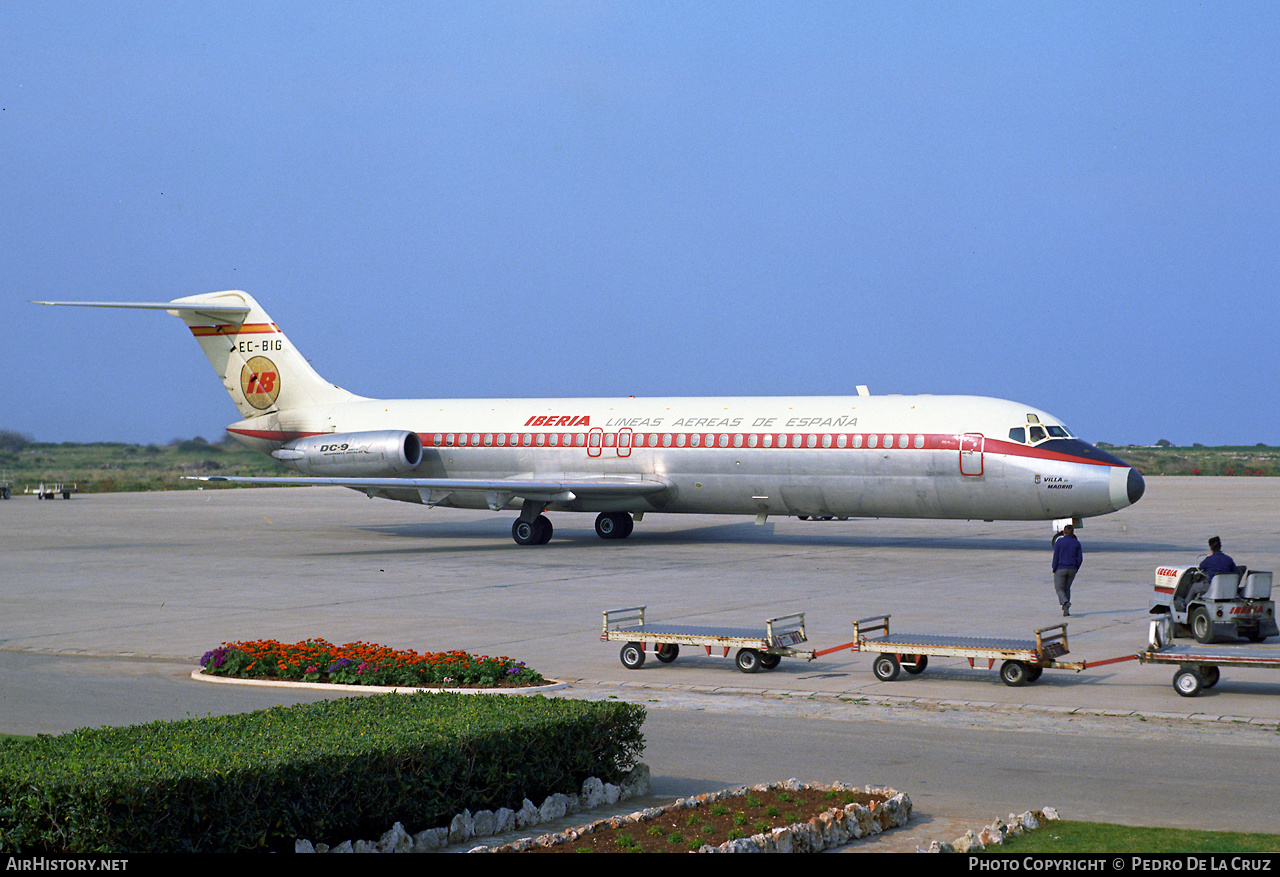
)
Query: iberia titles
[{"x": 561, "y": 420}]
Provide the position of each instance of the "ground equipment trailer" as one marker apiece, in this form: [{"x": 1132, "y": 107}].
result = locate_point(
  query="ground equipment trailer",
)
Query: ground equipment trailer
[
  {"x": 51, "y": 489},
  {"x": 1228, "y": 605},
  {"x": 1198, "y": 665},
  {"x": 1022, "y": 660},
  {"x": 757, "y": 648}
]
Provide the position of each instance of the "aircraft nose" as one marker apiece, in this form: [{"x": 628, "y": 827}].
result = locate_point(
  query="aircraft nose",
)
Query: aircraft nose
[
  {"x": 1126, "y": 487},
  {"x": 1137, "y": 486}
]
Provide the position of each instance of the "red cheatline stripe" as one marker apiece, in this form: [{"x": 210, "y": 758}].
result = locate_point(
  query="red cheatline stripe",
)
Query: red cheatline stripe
[
  {"x": 233, "y": 329},
  {"x": 682, "y": 441}
]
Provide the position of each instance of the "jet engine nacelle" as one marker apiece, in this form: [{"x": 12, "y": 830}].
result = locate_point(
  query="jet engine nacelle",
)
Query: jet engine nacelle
[{"x": 380, "y": 454}]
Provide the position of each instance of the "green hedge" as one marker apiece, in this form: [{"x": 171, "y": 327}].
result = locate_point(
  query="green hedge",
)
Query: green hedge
[{"x": 327, "y": 771}]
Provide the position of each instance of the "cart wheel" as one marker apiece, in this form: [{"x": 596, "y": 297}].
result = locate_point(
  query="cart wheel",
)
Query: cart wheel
[
  {"x": 1187, "y": 682},
  {"x": 768, "y": 662},
  {"x": 1209, "y": 675},
  {"x": 668, "y": 652},
  {"x": 1034, "y": 673},
  {"x": 915, "y": 666},
  {"x": 632, "y": 656},
  {"x": 885, "y": 668},
  {"x": 748, "y": 660},
  {"x": 1201, "y": 625},
  {"x": 1013, "y": 673}
]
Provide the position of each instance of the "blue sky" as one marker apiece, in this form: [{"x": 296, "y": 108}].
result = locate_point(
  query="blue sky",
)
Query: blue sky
[{"x": 1073, "y": 205}]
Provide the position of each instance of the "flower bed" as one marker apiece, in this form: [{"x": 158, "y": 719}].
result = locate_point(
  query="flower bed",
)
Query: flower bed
[
  {"x": 759, "y": 813},
  {"x": 360, "y": 663},
  {"x": 790, "y": 817}
]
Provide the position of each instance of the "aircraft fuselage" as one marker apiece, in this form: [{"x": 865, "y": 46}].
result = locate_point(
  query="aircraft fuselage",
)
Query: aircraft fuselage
[{"x": 845, "y": 456}]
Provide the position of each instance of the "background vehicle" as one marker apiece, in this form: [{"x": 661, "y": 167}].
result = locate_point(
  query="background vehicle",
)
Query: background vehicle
[{"x": 1231, "y": 605}]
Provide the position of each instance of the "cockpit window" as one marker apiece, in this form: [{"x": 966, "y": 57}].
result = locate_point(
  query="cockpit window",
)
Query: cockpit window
[{"x": 1035, "y": 432}]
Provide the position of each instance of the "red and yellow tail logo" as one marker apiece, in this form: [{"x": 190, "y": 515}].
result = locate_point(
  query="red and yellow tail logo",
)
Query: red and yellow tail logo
[{"x": 260, "y": 382}]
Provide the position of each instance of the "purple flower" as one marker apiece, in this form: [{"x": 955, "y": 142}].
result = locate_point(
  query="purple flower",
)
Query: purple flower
[{"x": 215, "y": 658}]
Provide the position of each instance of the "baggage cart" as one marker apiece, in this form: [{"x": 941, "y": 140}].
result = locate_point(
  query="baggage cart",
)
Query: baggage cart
[
  {"x": 758, "y": 648},
  {"x": 1022, "y": 660},
  {"x": 1198, "y": 665}
]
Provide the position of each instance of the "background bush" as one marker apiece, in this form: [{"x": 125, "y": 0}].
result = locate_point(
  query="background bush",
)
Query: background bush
[{"x": 325, "y": 771}]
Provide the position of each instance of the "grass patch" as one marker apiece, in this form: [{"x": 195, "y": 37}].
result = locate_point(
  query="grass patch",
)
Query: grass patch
[
  {"x": 1100, "y": 837},
  {"x": 1226, "y": 460},
  {"x": 115, "y": 467}
]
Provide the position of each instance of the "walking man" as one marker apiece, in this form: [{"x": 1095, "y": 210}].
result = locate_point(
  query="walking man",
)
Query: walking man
[{"x": 1067, "y": 557}]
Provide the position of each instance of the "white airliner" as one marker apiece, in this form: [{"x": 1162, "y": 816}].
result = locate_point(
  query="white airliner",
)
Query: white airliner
[{"x": 961, "y": 457}]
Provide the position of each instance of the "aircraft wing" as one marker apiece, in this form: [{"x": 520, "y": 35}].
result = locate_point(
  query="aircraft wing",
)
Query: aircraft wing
[{"x": 498, "y": 492}]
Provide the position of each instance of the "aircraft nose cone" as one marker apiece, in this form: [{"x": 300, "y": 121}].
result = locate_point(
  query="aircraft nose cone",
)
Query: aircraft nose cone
[{"x": 1137, "y": 486}]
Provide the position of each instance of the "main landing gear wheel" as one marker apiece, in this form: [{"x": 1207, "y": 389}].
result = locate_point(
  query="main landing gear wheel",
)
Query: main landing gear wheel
[
  {"x": 614, "y": 525},
  {"x": 748, "y": 660},
  {"x": 632, "y": 656},
  {"x": 668, "y": 652},
  {"x": 886, "y": 668},
  {"x": 535, "y": 532}
]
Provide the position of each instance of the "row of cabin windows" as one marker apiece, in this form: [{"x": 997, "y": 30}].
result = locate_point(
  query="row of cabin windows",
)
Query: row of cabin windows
[{"x": 678, "y": 440}]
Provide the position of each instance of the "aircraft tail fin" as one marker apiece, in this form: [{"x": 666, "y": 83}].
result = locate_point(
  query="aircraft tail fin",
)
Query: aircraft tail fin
[{"x": 260, "y": 369}]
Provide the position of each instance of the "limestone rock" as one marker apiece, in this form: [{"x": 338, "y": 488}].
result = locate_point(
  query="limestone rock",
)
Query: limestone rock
[
  {"x": 396, "y": 840},
  {"x": 592, "y": 793},
  {"x": 484, "y": 824},
  {"x": 462, "y": 828},
  {"x": 430, "y": 839},
  {"x": 552, "y": 808},
  {"x": 527, "y": 814}
]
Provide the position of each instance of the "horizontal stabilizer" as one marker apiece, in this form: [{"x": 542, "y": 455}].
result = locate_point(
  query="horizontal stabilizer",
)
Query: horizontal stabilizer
[{"x": 191, "y": 307}]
